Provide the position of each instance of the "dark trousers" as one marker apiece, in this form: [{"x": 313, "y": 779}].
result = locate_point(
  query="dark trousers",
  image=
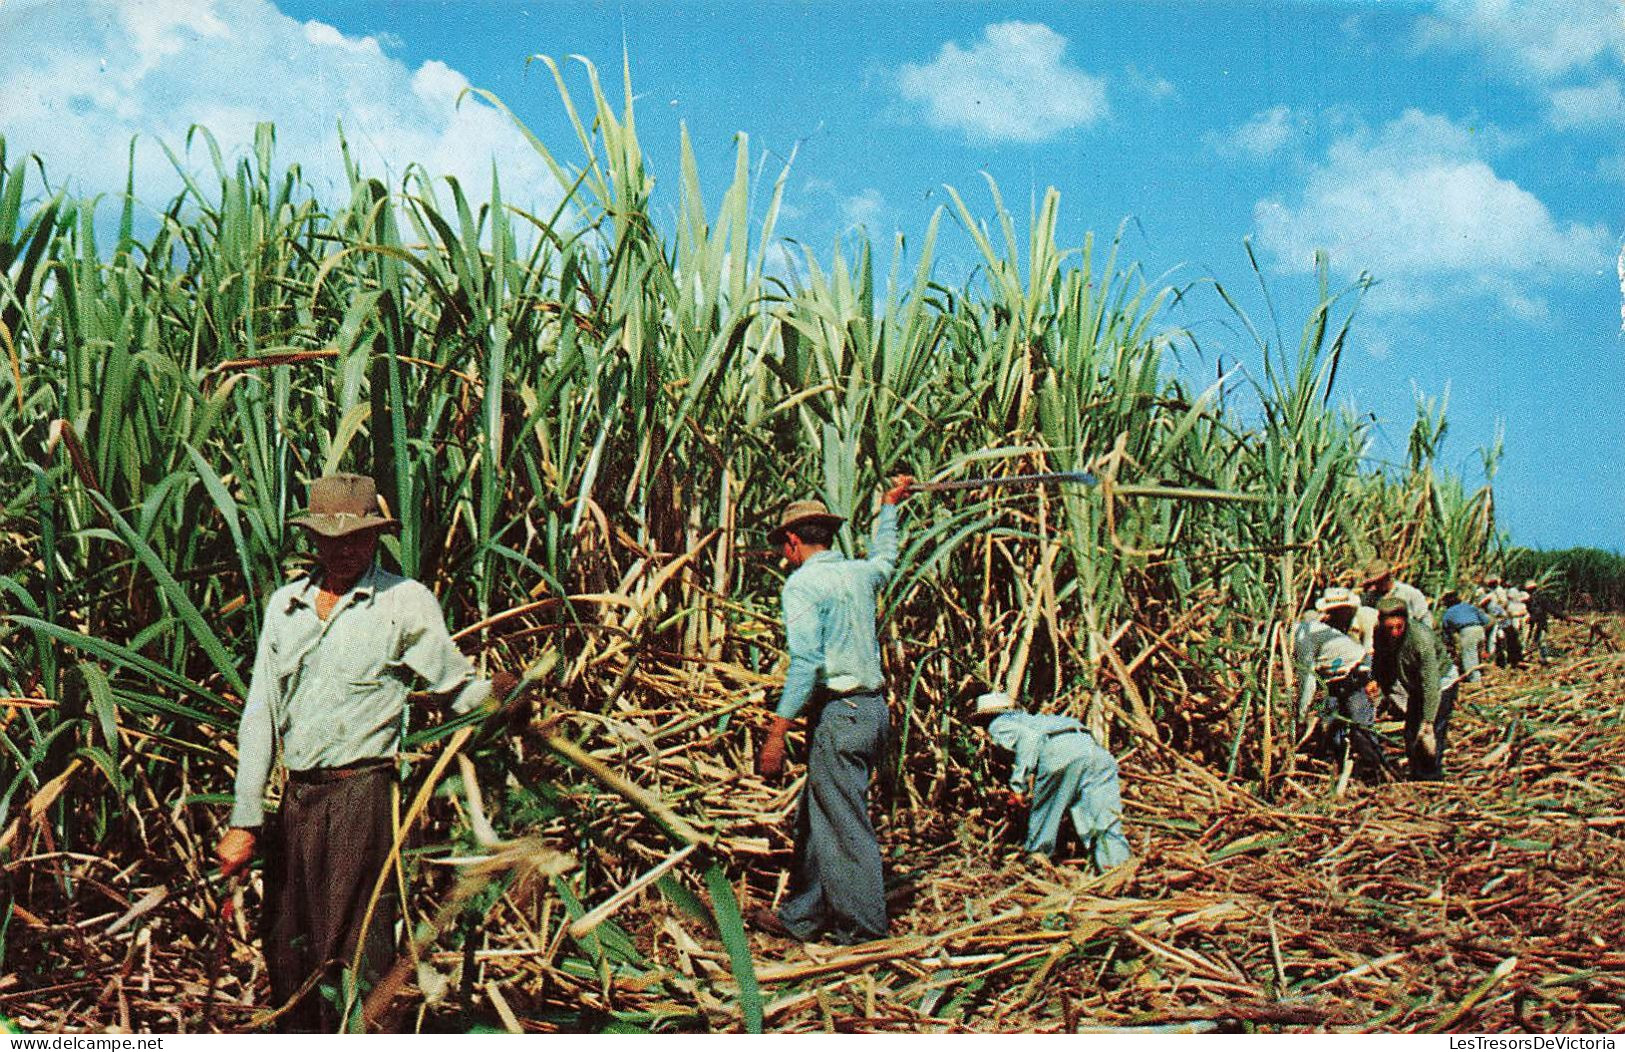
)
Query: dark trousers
[
  {"x": 1420, "y": 767},
  {"x": 837, "y": 889},
  {"x": 323, "y": 858}
]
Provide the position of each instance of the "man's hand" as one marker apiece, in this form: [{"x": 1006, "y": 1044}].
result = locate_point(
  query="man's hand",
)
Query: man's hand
[
  {"x": 235, "y": 851},
  {"x": 900, "y": 486},
  {"x": 770, "y": 761},
  {"x": 1426, "y": 743},
  {"x": 1373, "y": 690},
  {"x": 1014, "y": 800},
  {"x": 511, "y": 711}
]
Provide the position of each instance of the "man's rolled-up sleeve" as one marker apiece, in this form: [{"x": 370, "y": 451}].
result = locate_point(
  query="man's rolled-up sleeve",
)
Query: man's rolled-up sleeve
[
  {"x": 883, "y": 544},
  {"x": 429, "y": 652}
]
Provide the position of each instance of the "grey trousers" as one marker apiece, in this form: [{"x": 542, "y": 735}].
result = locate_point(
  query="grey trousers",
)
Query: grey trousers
[
  {"x": 1468, "y": 642},
  {"x": 837, "y": 890},
  {"x": 322, "y": 861},
  {"x": 1077, "y": 777}
]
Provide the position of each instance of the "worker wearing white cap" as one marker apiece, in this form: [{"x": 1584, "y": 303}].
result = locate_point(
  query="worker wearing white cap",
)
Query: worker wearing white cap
[{"x": 1063, "y": 771}]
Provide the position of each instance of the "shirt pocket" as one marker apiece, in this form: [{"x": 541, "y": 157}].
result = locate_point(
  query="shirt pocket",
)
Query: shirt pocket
[{"x": 374, "y": 705}]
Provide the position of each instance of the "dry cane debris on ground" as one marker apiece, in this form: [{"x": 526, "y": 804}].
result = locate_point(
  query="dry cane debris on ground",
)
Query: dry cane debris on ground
[{"x": 1489, "y": 901}]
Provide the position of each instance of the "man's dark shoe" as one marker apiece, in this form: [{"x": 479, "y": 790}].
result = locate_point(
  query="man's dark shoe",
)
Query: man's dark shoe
[{"x": 766, "y": 921}]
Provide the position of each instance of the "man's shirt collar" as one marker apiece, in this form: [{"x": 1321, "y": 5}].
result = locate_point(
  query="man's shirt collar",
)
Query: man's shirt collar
[{"x": 364, "y": 588}]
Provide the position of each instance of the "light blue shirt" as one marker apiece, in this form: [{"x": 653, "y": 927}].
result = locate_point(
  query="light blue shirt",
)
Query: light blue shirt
[
  {"x": 829, "y": 619},
  {"x": 334, "y": 692},
  {"x": 1038, "y": 740}
]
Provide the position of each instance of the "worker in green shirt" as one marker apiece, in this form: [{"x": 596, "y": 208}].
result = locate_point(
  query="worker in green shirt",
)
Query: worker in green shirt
[{"x": 1408, "y": 670}]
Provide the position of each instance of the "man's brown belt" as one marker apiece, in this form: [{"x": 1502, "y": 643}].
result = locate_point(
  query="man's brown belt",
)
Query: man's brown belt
[{"x": 324, "y": 775}]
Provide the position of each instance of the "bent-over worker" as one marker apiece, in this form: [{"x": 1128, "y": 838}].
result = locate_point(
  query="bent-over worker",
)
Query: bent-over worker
[
  {"x": 1408, "y": 668},
  {"x": 1463, "y": 625},
  {"x": 1063, "y": 772}
]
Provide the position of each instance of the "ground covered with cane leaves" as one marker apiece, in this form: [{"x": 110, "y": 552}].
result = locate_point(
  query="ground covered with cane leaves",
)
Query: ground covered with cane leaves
[{"x": 1485, "y": 902}]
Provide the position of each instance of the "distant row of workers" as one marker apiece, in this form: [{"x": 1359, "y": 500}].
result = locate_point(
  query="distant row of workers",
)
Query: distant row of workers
[{"x": 1382, "y": 644}]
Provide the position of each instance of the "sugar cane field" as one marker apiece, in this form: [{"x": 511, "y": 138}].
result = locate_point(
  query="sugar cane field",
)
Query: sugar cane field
[{"x": 586, "y": 423}]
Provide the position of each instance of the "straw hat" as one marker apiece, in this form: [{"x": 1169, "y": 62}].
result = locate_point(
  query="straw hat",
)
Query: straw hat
[
  {"x": 1530, "y": 585},
  {"x": 1376, "y": 570},
  {"x": 1339, "y": 657},
  {"x": 1335, "y": 598},
  {"x": 344, "y": 504},
  {"x": 802, "y": 512},
  {"x": 994, "y": 702}
]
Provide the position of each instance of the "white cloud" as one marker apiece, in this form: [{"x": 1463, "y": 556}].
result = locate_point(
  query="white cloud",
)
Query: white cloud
[
  {"x": 80, "y": 78},
  {"x": 1547, "y": 38},
  {"x": 1012, "y": 85},
  {"x": 1264, "y": 133},
  {"x": 1612, "y": 167},
  {"x": 1415, "y": 204},
  {"x": 864, "y": 209},
  {"x": 1597, "y": 104},
  {"x": 1151, "y": 85}
]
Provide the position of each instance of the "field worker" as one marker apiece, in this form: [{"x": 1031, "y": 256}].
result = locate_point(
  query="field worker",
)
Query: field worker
[
  {"x": 1542, "y": 609},
  {"x": 1505, "y": 648},
  {"x": 1408, "y": 670},
  {"x": 1379, "y": 582},
  {"x": 1518, "y": 616},
  {"x": 1336, "y": 610},
  {"x": 1363, "y": 629},
  {"x": 338, "y": 653},
  {"x": 1059, "y": 770},
  {"x": 1463, "y": 626},
  {"x": 1344, "y": 667},
  {"x": 837, "y": 891}
]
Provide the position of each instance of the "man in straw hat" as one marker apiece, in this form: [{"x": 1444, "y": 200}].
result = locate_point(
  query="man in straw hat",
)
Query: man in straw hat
[
  {"x": 837, "y": 889},
  {"x": 1333, "y": 617},
  {"x": 1063, "y": 772},
  {"x": 1378, "y": 578},
  {"x": 1409, "y": 668},
  {"x": 338, "y": 653}
]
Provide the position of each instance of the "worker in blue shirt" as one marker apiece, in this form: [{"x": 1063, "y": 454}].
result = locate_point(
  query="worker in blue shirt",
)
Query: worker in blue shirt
[
  {"x": 837, "y": 891},
  {"x": 1063, "y": 772},
  {"x": 1463, "y": 626}
]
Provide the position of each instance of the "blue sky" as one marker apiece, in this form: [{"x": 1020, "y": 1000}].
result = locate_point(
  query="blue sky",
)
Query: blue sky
[{"x": 1468, "y": 154}]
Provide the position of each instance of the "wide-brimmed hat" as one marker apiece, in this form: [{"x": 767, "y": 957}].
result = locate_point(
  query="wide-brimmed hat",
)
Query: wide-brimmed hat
[
  {"x": 1392, "y": 604},
  {"x": 1339, "y": 657},
  {"x": 1530, "y": 585},
  {"x": 992, "y": 703},
  {"x": 1492, "y": 579},
  {"x": 804, "y": 513},
  {"x": 344, "y": 504},
  {"x": 1376, "y": 570},
  {"x": 1336, "y": 598}
]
